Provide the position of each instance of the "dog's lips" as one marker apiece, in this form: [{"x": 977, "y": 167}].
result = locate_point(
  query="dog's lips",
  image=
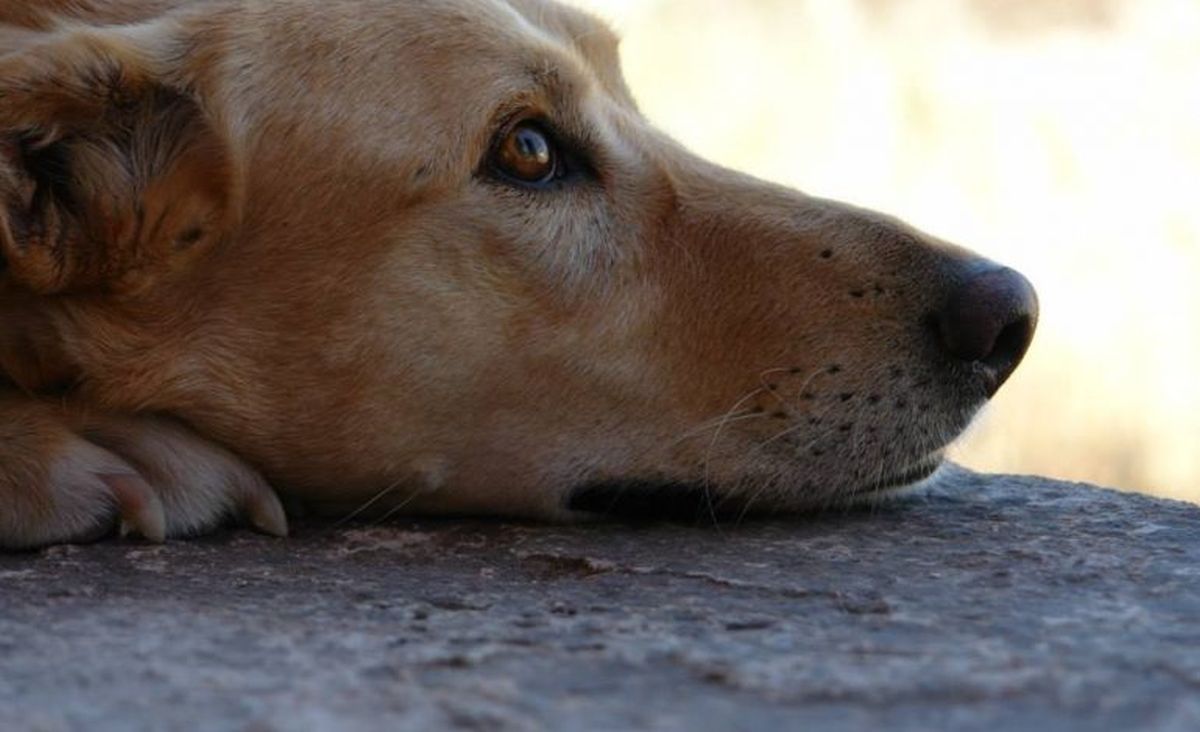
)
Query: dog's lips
[
  {"x": 905, "y": 478},
  {"x": 646, "y": 500},
  {"x": 667, "y": 500}
]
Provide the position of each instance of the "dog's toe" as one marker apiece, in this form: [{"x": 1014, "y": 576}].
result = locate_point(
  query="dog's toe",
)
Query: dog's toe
[
  {"x": 198, "y": 484},
  {"x": 74, "y": 479}
]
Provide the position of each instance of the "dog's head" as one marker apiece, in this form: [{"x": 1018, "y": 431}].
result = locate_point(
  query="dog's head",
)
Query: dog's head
[{"x": 433, "y": 249}]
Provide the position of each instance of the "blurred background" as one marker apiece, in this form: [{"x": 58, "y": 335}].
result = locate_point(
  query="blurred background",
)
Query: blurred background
[{"x": 1061, "y": 137}]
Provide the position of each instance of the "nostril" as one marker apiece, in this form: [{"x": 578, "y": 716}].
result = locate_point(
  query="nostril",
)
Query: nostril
[
  {"x": 990, "y": 320},
  {"x": 1010, "y": 345}
]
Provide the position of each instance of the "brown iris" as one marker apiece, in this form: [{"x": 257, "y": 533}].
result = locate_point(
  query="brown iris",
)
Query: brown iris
[{"x": 527, "y": 154}]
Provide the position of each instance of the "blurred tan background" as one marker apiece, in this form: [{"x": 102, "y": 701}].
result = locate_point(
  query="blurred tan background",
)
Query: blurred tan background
[{"x": 1059, "y": 136}]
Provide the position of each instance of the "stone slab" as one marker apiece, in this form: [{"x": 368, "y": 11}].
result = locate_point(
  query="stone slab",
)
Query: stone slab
[{"x": 987, "y": 603}]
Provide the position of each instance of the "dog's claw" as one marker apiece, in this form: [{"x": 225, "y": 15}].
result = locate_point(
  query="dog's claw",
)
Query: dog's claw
[
  {"x": 139, "y": 506},
  {"x": 264, "y": 510}
]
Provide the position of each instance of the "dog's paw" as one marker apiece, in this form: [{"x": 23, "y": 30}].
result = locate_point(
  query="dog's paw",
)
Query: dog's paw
[{"x": 73, "y": 478}]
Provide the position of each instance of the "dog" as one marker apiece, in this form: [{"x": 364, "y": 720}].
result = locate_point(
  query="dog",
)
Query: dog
[{"x": 427, "y": 256}]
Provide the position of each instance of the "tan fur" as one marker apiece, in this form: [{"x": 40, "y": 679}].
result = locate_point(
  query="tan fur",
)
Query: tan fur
[{"x": 282, "y": 236}]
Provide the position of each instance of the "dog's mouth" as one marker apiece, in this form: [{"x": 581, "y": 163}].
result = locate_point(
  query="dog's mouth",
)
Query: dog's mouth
[
  {"x": 651, "y": 500},
  {"x": 684, "y": 502},
  {"x": 903, "y": 479}
]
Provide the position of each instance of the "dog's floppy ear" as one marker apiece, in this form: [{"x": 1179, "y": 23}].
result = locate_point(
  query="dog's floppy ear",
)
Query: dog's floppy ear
[{"x": 111, "y": 172}]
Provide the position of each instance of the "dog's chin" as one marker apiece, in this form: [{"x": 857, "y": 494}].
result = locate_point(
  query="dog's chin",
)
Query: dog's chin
[{"x": 694, "y": 502}]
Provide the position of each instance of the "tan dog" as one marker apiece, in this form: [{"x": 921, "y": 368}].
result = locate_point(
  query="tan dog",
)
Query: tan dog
[{"x": 427, "y": 255}]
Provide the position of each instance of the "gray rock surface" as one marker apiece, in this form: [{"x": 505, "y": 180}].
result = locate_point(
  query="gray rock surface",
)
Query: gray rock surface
[{"x": 987, "y": 603}]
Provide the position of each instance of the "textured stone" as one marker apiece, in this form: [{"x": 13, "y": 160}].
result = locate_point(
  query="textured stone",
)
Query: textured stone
[{"x": 987, "y": 603}]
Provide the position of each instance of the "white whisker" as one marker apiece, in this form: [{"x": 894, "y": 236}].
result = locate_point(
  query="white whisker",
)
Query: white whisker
[{"x": 366, "y": 506}]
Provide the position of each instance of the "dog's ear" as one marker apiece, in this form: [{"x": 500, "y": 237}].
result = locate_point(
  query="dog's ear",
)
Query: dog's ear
[{"x": 112, "y": 173}]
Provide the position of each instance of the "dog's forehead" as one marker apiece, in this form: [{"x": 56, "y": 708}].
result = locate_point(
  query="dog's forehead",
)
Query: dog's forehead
[
  {"x": 591, "y": 38},
  {"x": 541, "y": 35},
  {"x": 398, "y": 76},
  {"x": 468, "y": 33}
]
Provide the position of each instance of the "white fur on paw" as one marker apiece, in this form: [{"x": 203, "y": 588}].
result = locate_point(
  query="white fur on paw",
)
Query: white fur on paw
[
  {"x": 199, "y": 483},
  {"x": 140, "y": 475}
]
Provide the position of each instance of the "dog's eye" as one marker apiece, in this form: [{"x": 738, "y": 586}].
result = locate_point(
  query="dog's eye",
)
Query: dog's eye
[{"x": 528, "y": 155}]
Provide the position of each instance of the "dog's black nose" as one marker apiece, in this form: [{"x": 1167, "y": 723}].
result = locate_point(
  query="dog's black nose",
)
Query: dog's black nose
[{"x": 990, "y": 320}]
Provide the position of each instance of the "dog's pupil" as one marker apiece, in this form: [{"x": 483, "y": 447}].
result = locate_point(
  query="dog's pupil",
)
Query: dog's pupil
[
  {"x": 528, "y": 155},
  {"x": 532, "y": 145}
]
